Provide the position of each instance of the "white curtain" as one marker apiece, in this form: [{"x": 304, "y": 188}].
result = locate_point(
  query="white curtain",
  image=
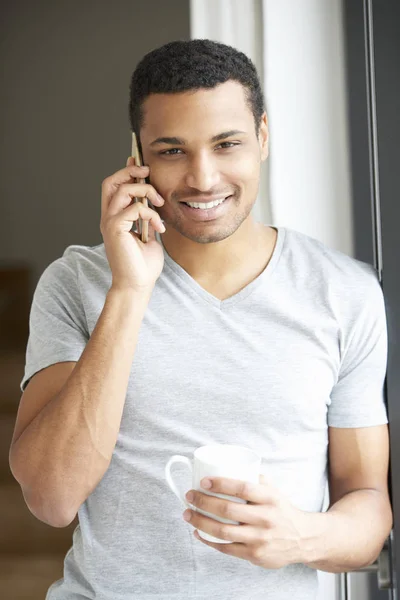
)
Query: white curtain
[
  {"x": 304, "y": 78},
  {"x": 298, "y": 49}
]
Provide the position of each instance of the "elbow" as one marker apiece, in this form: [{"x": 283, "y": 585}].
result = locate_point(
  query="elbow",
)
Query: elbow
[
  {"x": 49, "y": 511},
  {"x": 54, "y": 508},
  {"x": 55, "y": 519}
]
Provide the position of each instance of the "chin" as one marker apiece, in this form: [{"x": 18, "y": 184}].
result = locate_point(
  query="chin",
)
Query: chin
[{"x": 208, "y": 235}]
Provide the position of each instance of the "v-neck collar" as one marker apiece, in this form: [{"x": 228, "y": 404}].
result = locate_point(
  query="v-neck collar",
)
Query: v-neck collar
[{"x": 190, "y": 282}]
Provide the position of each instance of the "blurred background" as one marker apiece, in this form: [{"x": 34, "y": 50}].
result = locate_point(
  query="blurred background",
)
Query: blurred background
[{"x": 65, "y": 75}]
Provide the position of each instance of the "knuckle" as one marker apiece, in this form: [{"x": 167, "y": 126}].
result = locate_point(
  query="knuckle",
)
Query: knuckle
[
  {"x": 266, "y": 518},
  {"x": 146, "y": 212},
  {"x": 227, "y": 512},
  {"x": 223, "y": 532},
  {"x": 265, "y": 536},
  {"x": 265, "y": 521},
  {"x": 123, "y": 188},
  {"x": 245, "y": 489},
  {"x": 199, "y": 500},
  {"x": 104, "y": 224},
  {"x": 140, "y": 209},
  {"x": 256, "y": 554}
]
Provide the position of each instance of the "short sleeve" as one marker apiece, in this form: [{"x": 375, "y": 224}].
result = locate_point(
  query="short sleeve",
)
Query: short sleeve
[
  {"x": 57, "y": 325},
  {"x": 357, "y": 399}
]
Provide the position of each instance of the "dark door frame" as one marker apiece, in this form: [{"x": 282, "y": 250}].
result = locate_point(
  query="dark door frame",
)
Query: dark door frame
[{"x": 376, "y": 192}]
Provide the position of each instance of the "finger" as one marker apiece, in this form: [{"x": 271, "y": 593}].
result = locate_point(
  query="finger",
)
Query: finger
[
  {"x": 128, "y": 192},
  {"x": 151, "y": 236},
  {"x": 238, "y": 550},
  {"x": 252, "y": 492},
  {"x": 244, "y": 534},
  {"x": 128, "y": 175},
  {"x": 132, "y": 161},
  {"x": 251, "y": 514},
  {"x": 132, "y": 214},
  {"x": 127, "y": 218},
  {"x": 137, "y": 230}
]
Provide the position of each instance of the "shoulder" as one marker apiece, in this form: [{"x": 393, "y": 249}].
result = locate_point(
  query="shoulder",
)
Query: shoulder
[
  {"x": 76, "y": 262},
  {"x": 79, "y": 258},
  {"x": 336, "y": 278},
  {"x": 87, "y": 259},
  {"x": 327, "y": 262}
]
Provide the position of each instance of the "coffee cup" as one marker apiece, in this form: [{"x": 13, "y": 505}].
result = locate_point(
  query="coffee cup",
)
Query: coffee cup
[{"x": 216, "y": 460}]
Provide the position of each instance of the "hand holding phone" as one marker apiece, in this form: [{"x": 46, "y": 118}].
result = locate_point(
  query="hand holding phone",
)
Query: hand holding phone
[{"x": 134, "y": 265}]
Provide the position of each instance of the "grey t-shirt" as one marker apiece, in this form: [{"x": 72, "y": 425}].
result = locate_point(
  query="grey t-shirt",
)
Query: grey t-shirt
[{"x": 301, "y": 348}]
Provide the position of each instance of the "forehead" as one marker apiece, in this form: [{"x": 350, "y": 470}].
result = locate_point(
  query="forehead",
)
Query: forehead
[{"x": 201, "y": 112}]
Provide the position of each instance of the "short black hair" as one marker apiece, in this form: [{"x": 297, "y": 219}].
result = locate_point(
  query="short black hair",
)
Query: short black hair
[{"x": 181, "y": 66}]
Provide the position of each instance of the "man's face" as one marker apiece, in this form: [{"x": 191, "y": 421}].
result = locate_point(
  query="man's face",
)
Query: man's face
[{"x": 201, "y": 147}]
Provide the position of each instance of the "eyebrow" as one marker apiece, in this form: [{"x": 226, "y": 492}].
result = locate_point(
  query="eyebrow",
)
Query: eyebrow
[{"x": 181, "y": 142}]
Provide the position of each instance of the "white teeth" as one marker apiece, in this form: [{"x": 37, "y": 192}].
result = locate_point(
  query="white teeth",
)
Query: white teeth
[{"x": 205, "y": 206}]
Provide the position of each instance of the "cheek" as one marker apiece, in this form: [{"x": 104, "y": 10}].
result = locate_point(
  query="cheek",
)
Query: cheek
[
  {"x": 242, "y": 172},
  {"x": 164, "y": 179},
  {"x": 246, "y": 173}
]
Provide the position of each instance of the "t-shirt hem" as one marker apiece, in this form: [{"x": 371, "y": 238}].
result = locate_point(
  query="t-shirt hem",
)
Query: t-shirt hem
[{"x": 346, "y": 423}]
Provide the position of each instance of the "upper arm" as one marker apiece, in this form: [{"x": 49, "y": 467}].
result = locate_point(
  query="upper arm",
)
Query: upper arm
[
  {"x": 358, "y": 459},
  {"x": 58, "y": 329},
  {"x": 42, "y": 387}
]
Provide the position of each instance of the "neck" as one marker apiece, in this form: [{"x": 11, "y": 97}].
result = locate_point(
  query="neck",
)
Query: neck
[{"x": 216, "y": 260}]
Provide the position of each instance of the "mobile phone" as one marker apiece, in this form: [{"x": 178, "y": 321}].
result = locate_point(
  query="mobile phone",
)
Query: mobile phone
[{"x": 137, "y": 154}]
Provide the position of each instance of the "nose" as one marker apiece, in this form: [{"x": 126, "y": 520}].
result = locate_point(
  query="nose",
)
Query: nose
[{"x": 202, "y": 173}]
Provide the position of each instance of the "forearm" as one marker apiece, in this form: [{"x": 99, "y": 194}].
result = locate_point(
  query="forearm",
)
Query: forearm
[
  {"x": 350, "y": 535},
  {"x": 62, "y": 455}
]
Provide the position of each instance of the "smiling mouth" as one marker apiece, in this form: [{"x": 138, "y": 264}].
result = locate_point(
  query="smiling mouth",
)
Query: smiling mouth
[{"x": 206, "y": 205}]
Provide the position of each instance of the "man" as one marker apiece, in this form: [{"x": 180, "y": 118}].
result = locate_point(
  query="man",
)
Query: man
[{"x": 219, "y": 329}]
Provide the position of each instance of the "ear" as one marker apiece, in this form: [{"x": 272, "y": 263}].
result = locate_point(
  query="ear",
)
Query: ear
[{"x": 263, "y": 137}]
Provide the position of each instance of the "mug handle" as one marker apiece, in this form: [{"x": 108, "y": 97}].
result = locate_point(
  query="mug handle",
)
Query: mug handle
[{"x": 175, "y": 459}]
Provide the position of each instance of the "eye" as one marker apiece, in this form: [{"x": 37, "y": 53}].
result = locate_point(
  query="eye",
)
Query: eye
[
  {"x": 171, "y": 152},
  {"x": 228, "y": 144}
]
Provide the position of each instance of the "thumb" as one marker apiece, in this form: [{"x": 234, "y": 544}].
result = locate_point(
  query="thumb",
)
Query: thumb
[{"x": 131, "y": 161}]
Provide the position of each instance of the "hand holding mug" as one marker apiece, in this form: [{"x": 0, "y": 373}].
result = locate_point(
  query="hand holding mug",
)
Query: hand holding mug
[
  {"x": 217, "y": 460},
  {"x": 235, "y": 511},
  {"x": 272, "y": 532}
]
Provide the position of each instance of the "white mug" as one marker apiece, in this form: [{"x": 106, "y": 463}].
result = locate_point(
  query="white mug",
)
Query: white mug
[{"x": 216, "y": 460}]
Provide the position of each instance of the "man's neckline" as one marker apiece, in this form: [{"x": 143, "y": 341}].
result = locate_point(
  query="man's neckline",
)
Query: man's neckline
[{"x": 194, "y": 286}]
